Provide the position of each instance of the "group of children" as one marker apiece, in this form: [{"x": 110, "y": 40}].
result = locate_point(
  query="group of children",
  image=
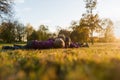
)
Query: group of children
[{"x": 60, "y": 42}]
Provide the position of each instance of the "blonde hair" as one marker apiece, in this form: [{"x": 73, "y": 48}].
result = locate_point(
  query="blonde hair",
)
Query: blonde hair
[{"x": 59, "y": 43}]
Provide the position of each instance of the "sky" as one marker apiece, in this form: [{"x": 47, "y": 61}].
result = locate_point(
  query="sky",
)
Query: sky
[{"x": 61, "y": 13}]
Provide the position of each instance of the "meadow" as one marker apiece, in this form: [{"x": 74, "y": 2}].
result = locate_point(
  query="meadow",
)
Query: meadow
[{"x": 100, "y": 61}]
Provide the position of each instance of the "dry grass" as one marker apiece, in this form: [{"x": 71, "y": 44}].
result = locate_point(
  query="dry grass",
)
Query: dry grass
[{"x": 99, "y": 62}]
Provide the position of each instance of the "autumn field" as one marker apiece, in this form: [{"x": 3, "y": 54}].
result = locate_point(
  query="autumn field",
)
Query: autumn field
[{"x": 98, "y": 62}]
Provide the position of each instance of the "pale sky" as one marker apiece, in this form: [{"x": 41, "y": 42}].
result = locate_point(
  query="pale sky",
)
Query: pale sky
[{"x": 61, "y": 12}]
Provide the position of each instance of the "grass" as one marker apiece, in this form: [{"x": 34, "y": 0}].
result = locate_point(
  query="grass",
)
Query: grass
[{"x": 99, "y": 62}]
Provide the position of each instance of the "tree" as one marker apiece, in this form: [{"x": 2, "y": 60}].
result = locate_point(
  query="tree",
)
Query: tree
[
  {"x": 5, "y": 7},
  {"x": 53, "y": 35},
  {"x": 80, "y": 34},
  {"x": 7, "y": 32},
  {"x": 108, "y": 30},
  {"x": 12, "y": 31},
  {"x": 20, "y": 31},
  {"x": 90, "y": 5},
  {"x": 89, "y": 19},
  {"x": 43, "y": 32},
  {"x": 34, "y": 36},
  {"x": 64, "y": 32},
  {"x": 28, "y": 30}
]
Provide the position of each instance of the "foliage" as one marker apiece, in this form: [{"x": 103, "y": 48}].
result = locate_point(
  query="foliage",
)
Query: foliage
[
  {"x": 92, "y": 22},
  {"x": 80, "y": 33},
  {"x": 5, "y": 7},
  {"x": 12, "y": 31},
  {"x": 89, "y": 19},
  {"x": 20, "y": 31},
  {"x": 34, "y": 36},
  {"x": 90, "y": 5},
  {"x": 28, "y": 30},
  {"x": 43, "y": 32},
  {"x": 108, "y": 30},
  {"x": 65, "y": 32},
  {"x": 88, "y": 24},
  {"x": 99, "y": 62},
  {"x": 7, "y": 31}
]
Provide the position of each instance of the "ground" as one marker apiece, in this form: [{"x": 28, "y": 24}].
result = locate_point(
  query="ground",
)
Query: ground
[{"x": 98, "y": 62}]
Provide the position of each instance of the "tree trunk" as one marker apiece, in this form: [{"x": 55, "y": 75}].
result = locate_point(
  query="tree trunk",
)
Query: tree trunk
[{"x": 92, "y": 38}]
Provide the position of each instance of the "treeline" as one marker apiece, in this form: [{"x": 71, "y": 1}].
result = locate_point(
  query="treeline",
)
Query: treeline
[{"x": 14, "y": 31}]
